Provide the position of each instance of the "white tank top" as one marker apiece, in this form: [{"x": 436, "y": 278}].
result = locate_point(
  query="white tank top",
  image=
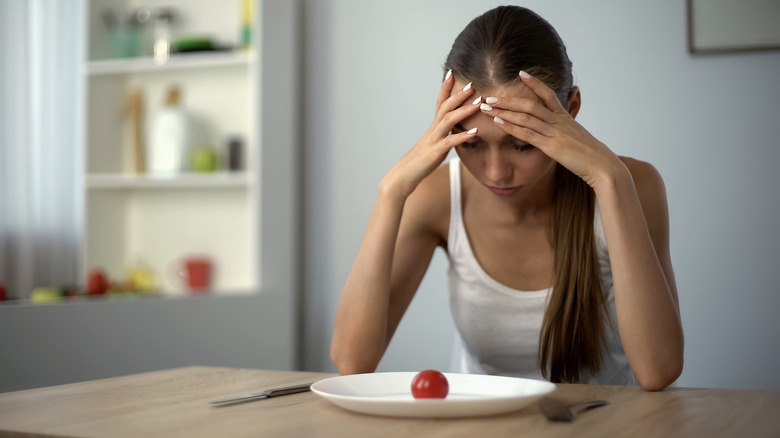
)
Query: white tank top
[{"x": 499, "y": 326}]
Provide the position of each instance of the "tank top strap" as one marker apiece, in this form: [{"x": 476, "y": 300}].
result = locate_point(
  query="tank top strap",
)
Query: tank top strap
[
  {"x": 598, "y": 229},
  {"x": 455, "y": 201}
]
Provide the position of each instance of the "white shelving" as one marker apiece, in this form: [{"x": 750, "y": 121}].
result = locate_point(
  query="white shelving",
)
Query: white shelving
[
  {"x": 183, "y": 181},
  {"x": 255, "y": 223},
  {"x": 154, "y": 221},
  {"x": 176, "y": 62}
]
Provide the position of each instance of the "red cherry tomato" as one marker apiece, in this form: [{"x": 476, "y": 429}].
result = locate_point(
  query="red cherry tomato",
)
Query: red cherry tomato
[{"x": 430, "y": 384}]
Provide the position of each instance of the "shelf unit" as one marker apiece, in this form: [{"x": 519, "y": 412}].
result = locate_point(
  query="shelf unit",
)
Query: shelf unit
[
  {"x": 155, "y": 221},
  {"x": 228, "y": 328}
]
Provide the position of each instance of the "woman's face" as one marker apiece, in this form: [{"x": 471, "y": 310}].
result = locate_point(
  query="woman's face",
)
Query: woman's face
[{"x": 507, "y": 166}]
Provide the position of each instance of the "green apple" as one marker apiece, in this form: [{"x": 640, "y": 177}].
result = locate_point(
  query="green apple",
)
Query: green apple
[{"x": 203, "y": 159}]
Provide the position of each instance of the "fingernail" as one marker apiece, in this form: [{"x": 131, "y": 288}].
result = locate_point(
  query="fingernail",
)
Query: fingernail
[
  {"x": 472, "y": 131},
  {"x": 498, "y": 120},
  {"x": 491, "y": 100},
  {"x": 449, "y": 74},
  {"x": 467, "y": 87},
  {"x": 478, "y": 100},
  {"x": 486, "y": 107},
  {"x": 524, "y": 75}
]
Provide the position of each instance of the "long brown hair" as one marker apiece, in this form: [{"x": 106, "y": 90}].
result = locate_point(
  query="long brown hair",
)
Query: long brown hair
[{"x": 490, "y": 52}]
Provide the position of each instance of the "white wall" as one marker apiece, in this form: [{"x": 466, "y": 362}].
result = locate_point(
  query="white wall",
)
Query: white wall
[{"x": 709, "y": 124}]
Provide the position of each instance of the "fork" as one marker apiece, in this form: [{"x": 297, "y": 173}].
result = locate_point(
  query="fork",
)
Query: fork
[{"x": 556, "y": 410}]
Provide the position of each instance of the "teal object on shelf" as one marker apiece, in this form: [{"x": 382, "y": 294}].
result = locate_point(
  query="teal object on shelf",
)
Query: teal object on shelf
[{"x": 125, "y": 43}]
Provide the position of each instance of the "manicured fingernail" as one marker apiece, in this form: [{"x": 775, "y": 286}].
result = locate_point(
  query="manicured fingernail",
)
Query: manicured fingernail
[
  {"x": 467, "y": 87},
  {"x": 498, "y": 120},
  {"x": 477, "y": 100},
  {"x": 472, "y": 131},
  {"x": 524, "y": 75},
  {"x": 449, "y": 74},
  {"x": 491, "y": 100},
  {"x": 486, "y": 107}
]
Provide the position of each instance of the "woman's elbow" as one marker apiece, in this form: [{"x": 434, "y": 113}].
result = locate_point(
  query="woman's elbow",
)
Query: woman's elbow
[
  {"x": 350, "y": 363},
  {"x": 659, "y": 377}
]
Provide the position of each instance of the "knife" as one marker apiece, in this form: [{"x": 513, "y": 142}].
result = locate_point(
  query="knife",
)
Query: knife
[{"x": 276, "y": 392}]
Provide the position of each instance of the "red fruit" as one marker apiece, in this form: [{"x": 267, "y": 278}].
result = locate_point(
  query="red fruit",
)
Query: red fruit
[{"x": 430, "y": 384}]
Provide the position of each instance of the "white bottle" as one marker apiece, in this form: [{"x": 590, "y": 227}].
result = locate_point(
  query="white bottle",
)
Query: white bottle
[{"x": 169, "y": 145}]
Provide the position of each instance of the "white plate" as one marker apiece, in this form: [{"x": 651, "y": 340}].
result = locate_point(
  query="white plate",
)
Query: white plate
[{"x": 470, "y": 395}]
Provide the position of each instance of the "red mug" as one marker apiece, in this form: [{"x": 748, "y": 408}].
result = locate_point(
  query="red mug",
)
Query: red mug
[
  {"x": 197, "y": 273},
  {"x": 97, "y": 282}
]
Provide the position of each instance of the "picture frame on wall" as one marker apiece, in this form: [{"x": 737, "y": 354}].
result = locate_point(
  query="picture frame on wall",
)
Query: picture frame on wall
[{"x": 730, "y": 26}]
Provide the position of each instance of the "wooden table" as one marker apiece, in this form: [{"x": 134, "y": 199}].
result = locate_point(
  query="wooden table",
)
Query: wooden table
[{"x": 174, "y": 403}]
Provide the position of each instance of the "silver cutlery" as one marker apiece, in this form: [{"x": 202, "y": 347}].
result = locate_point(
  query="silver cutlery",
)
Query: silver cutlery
[
  {"x": 276, "y": 392},
  {"x": 556, "y": 410}
]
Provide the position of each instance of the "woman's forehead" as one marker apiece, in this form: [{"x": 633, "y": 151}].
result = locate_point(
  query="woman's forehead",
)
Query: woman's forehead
[{"x": 511, "y": 90}]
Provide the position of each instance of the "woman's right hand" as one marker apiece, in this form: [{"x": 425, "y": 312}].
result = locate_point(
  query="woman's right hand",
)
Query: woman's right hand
[{"x": 433, "y": 147}]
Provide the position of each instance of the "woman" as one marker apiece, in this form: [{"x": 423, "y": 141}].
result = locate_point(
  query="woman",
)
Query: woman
[{"x": 526, "y": 213}]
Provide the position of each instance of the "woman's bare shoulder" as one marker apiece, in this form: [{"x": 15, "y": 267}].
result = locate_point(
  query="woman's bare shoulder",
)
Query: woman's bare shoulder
[
  {"x": 651, "y": 190},
  {"x": 647, "y": 178}
]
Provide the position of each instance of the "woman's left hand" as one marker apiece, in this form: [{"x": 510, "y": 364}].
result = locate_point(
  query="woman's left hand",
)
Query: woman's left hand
[{"x": 550, "y": 127}]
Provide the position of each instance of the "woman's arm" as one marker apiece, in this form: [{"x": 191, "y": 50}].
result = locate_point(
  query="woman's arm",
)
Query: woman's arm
[
  {"x": 633, "y": 208},
  {"x": 398, "y": 242},
  {"x": 632, "y": 201},
  {"x": 395, "y": 253}
]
